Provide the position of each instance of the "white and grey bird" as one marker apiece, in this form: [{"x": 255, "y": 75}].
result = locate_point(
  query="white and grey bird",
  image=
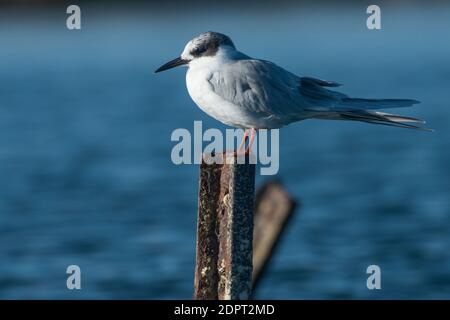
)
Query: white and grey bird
[{"x": 249, "y": 93}]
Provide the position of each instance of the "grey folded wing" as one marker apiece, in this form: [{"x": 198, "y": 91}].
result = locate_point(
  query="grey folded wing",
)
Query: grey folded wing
[
  {"x": 259, "y": 87},
  {"x": 262, "y": 87}
]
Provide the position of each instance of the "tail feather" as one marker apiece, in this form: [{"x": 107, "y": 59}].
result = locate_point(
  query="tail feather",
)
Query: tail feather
[
  {"x": 374, "y": 117},
  {"x": 357, "y": 103},
  {"x": 397, "y": 118},
  {"x": 328, "y": 104},
  {"x": 382, "y": 118}
]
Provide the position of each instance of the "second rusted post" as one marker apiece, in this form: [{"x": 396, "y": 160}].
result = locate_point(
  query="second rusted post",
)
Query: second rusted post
[{"x": 225, "y": 229}]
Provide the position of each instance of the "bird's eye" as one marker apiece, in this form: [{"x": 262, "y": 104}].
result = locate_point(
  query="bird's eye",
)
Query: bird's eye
[{"x": 198, "y": 51}]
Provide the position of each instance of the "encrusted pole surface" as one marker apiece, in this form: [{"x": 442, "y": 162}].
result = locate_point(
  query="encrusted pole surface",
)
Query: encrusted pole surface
[
  {"x": 225, "y": 229},
  {"x": 207, "y": 250}
]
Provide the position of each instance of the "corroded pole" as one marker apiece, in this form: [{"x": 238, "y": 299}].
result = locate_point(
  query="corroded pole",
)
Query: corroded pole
[
  {"x": 225, "y": 229},
  {"x": 207, "y": 249}
]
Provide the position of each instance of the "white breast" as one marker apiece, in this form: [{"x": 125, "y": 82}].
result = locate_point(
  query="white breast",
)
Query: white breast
[{"x": 207, "y": 100}]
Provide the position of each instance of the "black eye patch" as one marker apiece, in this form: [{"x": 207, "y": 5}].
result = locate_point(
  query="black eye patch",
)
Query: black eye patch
[{"x": 198, "y": 51}]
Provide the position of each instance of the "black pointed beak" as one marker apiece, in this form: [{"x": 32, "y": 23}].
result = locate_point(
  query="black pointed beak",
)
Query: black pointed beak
[{"x": 172, "y": 64}]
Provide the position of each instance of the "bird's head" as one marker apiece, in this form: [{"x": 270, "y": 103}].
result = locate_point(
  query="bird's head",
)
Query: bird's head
[{"x": 206, "y": 44}]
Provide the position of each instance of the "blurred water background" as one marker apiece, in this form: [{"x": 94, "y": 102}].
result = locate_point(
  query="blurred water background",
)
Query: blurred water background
[{"x": 85, "y": 147}]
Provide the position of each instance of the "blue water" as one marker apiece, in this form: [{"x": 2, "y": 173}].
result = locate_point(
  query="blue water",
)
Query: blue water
[{"x": 85, "y": 154}]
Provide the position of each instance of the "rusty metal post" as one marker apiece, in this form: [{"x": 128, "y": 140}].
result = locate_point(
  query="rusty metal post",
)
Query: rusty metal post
[
  {"x": 207, "y": 249},
  {"x": 225, "y": 229}
]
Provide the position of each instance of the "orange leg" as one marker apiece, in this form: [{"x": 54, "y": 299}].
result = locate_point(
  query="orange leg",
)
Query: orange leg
[
  {"x": 252, "y": 139},
  {"x": 242, "y": 145}
]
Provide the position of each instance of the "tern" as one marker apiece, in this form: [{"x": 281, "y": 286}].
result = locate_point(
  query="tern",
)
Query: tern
[{"x": 252, "y": 94}]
